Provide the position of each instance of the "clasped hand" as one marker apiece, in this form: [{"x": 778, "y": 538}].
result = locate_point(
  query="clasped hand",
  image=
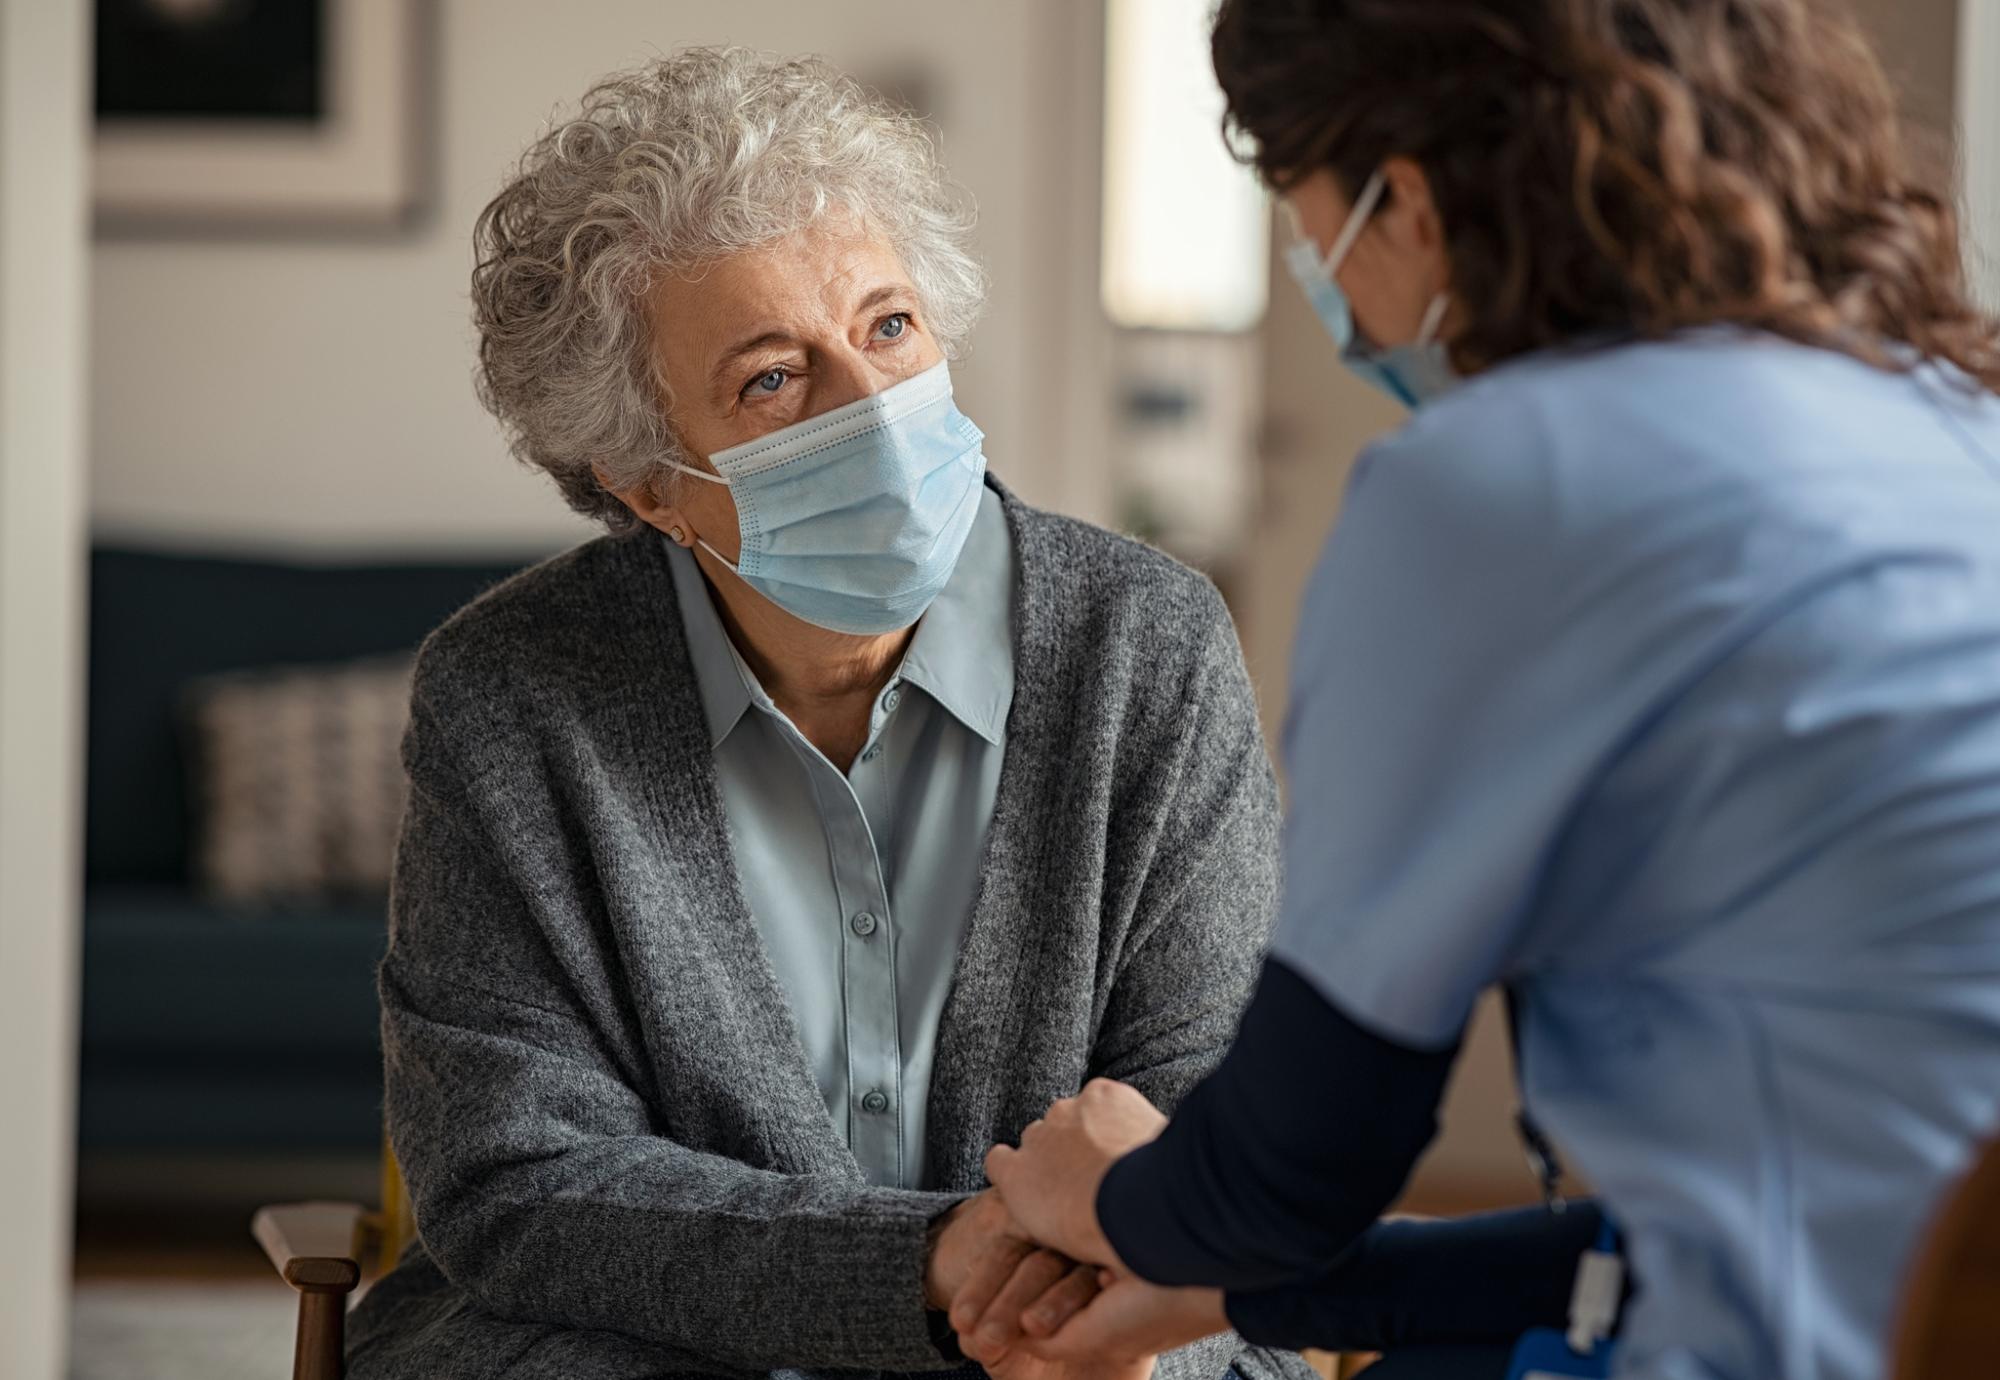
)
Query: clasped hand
[{"x": 1031, "y": 1283}]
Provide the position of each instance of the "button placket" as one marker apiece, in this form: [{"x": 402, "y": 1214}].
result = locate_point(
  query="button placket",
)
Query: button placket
[{"x": 868, "y": 987}]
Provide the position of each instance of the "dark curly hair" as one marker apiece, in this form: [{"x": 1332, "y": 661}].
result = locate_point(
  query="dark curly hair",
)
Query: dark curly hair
[{"x": 1626, "y": 166}]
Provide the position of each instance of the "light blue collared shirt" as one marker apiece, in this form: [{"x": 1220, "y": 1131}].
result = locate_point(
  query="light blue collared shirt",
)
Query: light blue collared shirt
[
  {"x": 861, "y": 884},
  {"x": 1663, "y": 682}
]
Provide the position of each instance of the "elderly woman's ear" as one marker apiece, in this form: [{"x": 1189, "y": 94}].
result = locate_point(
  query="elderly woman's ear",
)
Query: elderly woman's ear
[{"x": 650, "y": 508}]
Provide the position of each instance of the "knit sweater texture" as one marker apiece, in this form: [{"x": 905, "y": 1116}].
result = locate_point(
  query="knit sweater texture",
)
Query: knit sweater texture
[{"x": 621, "y": 1163}]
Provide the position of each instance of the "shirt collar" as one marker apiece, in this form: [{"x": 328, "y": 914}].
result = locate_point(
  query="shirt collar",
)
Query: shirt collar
[
  {"x": 962, "y": 655},
  {"x": 724, "y": 692}
]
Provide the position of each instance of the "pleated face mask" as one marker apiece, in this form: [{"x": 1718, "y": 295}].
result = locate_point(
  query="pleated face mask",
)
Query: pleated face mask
[
  {"x": 853, "y": 520},
  {"x": 1412, "y": 374}
]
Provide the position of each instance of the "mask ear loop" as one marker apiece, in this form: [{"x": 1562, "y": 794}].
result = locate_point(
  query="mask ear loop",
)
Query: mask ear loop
[
  {"x": 1371, "y": 196},
  {"x": 1433, "y": 320},
  {"x": 698, "y": 474},
  {"x": 725, "y": 562}
]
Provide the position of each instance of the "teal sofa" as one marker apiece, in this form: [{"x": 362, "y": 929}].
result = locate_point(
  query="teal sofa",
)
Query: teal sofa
[{"x": 209, "y": 1027}]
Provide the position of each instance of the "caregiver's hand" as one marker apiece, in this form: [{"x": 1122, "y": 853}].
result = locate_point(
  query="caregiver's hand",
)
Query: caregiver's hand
[
  {"x": 1050, "y": 1183},
  {"x": 1127, "y": 1319},
  {"x": 986, "y": 1311},
  {"x": 1050, "y": 1288},
  {"x": 1079, "y": 1315},
  {"x": 1019, "y": 1365}
]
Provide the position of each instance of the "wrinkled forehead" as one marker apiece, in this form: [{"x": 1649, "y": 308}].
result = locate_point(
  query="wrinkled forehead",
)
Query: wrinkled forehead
[{"x": 807, "y": 286}]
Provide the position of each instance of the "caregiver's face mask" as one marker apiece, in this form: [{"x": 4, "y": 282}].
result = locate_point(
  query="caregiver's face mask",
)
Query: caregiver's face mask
[
  {"x": 853, "y": 519},
  {"x": 1411, "y": 374}
]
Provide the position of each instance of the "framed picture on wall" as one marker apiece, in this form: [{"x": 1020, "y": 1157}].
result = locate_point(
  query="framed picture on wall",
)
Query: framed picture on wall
[{"x": 248, "y": 115}]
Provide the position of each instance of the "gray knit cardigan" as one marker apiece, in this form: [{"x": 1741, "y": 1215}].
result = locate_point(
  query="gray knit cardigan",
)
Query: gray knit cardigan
[{"x": 620, "y": 1160}]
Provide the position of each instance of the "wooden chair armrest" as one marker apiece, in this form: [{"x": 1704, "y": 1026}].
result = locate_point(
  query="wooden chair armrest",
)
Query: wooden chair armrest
[
  {"x": 317, "y": 1248},
  {"x": 313, "y": 1245}
]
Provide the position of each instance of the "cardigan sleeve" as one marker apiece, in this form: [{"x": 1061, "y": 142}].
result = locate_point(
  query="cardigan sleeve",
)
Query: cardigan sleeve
[
  {"x": 1202, "y": 918},
  {"x": 1208, "y": 900},
  {"x": 543, "y": 1188}
]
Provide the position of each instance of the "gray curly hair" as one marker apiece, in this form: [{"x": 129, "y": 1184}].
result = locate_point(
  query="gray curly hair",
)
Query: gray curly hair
[{"x": 667, "y": 167}]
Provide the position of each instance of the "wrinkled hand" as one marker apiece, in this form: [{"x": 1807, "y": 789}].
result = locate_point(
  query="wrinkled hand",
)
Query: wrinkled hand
[
  {"x": 1022, "y": 1365},
  {"x": 1050, "y": 1184},
  {"x": 978, "y": 1254},
  {"x": 978, "y": 1233},
  {"x": 1126, "y": 1321},
  {"x": 986, "y": 1313},
  {"x": 1061, "y": 1314}
]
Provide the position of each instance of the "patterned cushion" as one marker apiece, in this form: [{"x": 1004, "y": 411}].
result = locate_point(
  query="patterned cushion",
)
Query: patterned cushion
[{"x": 298, "y": 780}]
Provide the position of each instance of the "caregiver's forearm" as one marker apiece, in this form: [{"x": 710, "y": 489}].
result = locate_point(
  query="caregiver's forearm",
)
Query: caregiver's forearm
[
  {"x": 1277, "y": 1162},
  {"x": 1455, "y": 1281}
]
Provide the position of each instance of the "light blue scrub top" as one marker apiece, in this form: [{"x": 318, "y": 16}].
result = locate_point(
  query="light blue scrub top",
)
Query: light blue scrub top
[
  {"x": 1664, "y": 682},
  {"x": 861, "y": 883}
]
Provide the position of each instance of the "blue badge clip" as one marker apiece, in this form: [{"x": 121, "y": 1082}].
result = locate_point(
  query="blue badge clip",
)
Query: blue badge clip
[
  {"x": 1544, "y": 1354},
  {"x": 1585, "y": 1351}
]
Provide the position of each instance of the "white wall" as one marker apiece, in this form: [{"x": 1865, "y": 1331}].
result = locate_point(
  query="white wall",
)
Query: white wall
[
  {"x": 268, "y": 393},
  {"x": 43, "y": 115},
  {"x": 1918, "y": 44},
  {"x": 1978, "y": 102}
]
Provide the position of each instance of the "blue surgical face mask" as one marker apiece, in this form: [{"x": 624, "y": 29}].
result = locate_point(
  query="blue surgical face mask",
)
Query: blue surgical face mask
[
  {"x": 853, "y": 520},
  {"x": 1411, "y": 374}
]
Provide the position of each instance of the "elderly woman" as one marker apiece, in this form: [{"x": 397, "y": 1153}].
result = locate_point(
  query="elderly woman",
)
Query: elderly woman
[{"x": 772, "y": 856}]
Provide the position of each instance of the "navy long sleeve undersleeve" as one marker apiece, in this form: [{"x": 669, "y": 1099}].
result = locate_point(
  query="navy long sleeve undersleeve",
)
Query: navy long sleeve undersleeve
[
  {"x": 1274, "y": 1166},
  {"x": 1458, "y": 1281}
]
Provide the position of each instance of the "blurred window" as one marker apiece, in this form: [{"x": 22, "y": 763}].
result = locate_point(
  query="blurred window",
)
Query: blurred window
[{"x": 1186, "y": 229}]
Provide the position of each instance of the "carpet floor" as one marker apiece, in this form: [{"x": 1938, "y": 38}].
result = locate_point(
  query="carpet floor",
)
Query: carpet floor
[{"x": 181, "y": 1330}]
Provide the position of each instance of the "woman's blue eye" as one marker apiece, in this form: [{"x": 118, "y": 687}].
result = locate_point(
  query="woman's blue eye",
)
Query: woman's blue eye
[
  {"x": 893, "y": 327},
  {"x": 771, "y": 382}
]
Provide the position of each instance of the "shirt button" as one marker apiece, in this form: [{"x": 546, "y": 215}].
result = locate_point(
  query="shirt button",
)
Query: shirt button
[
  {"x": 892, "y": 699},
  {"x": 872, "y": 753},
  {"x": 862, "y": 924},
  {"x": 877, "y": 1102}
]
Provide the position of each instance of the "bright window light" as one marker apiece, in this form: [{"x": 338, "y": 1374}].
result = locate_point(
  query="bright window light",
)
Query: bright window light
[{"x": 1186, "y": 228}]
